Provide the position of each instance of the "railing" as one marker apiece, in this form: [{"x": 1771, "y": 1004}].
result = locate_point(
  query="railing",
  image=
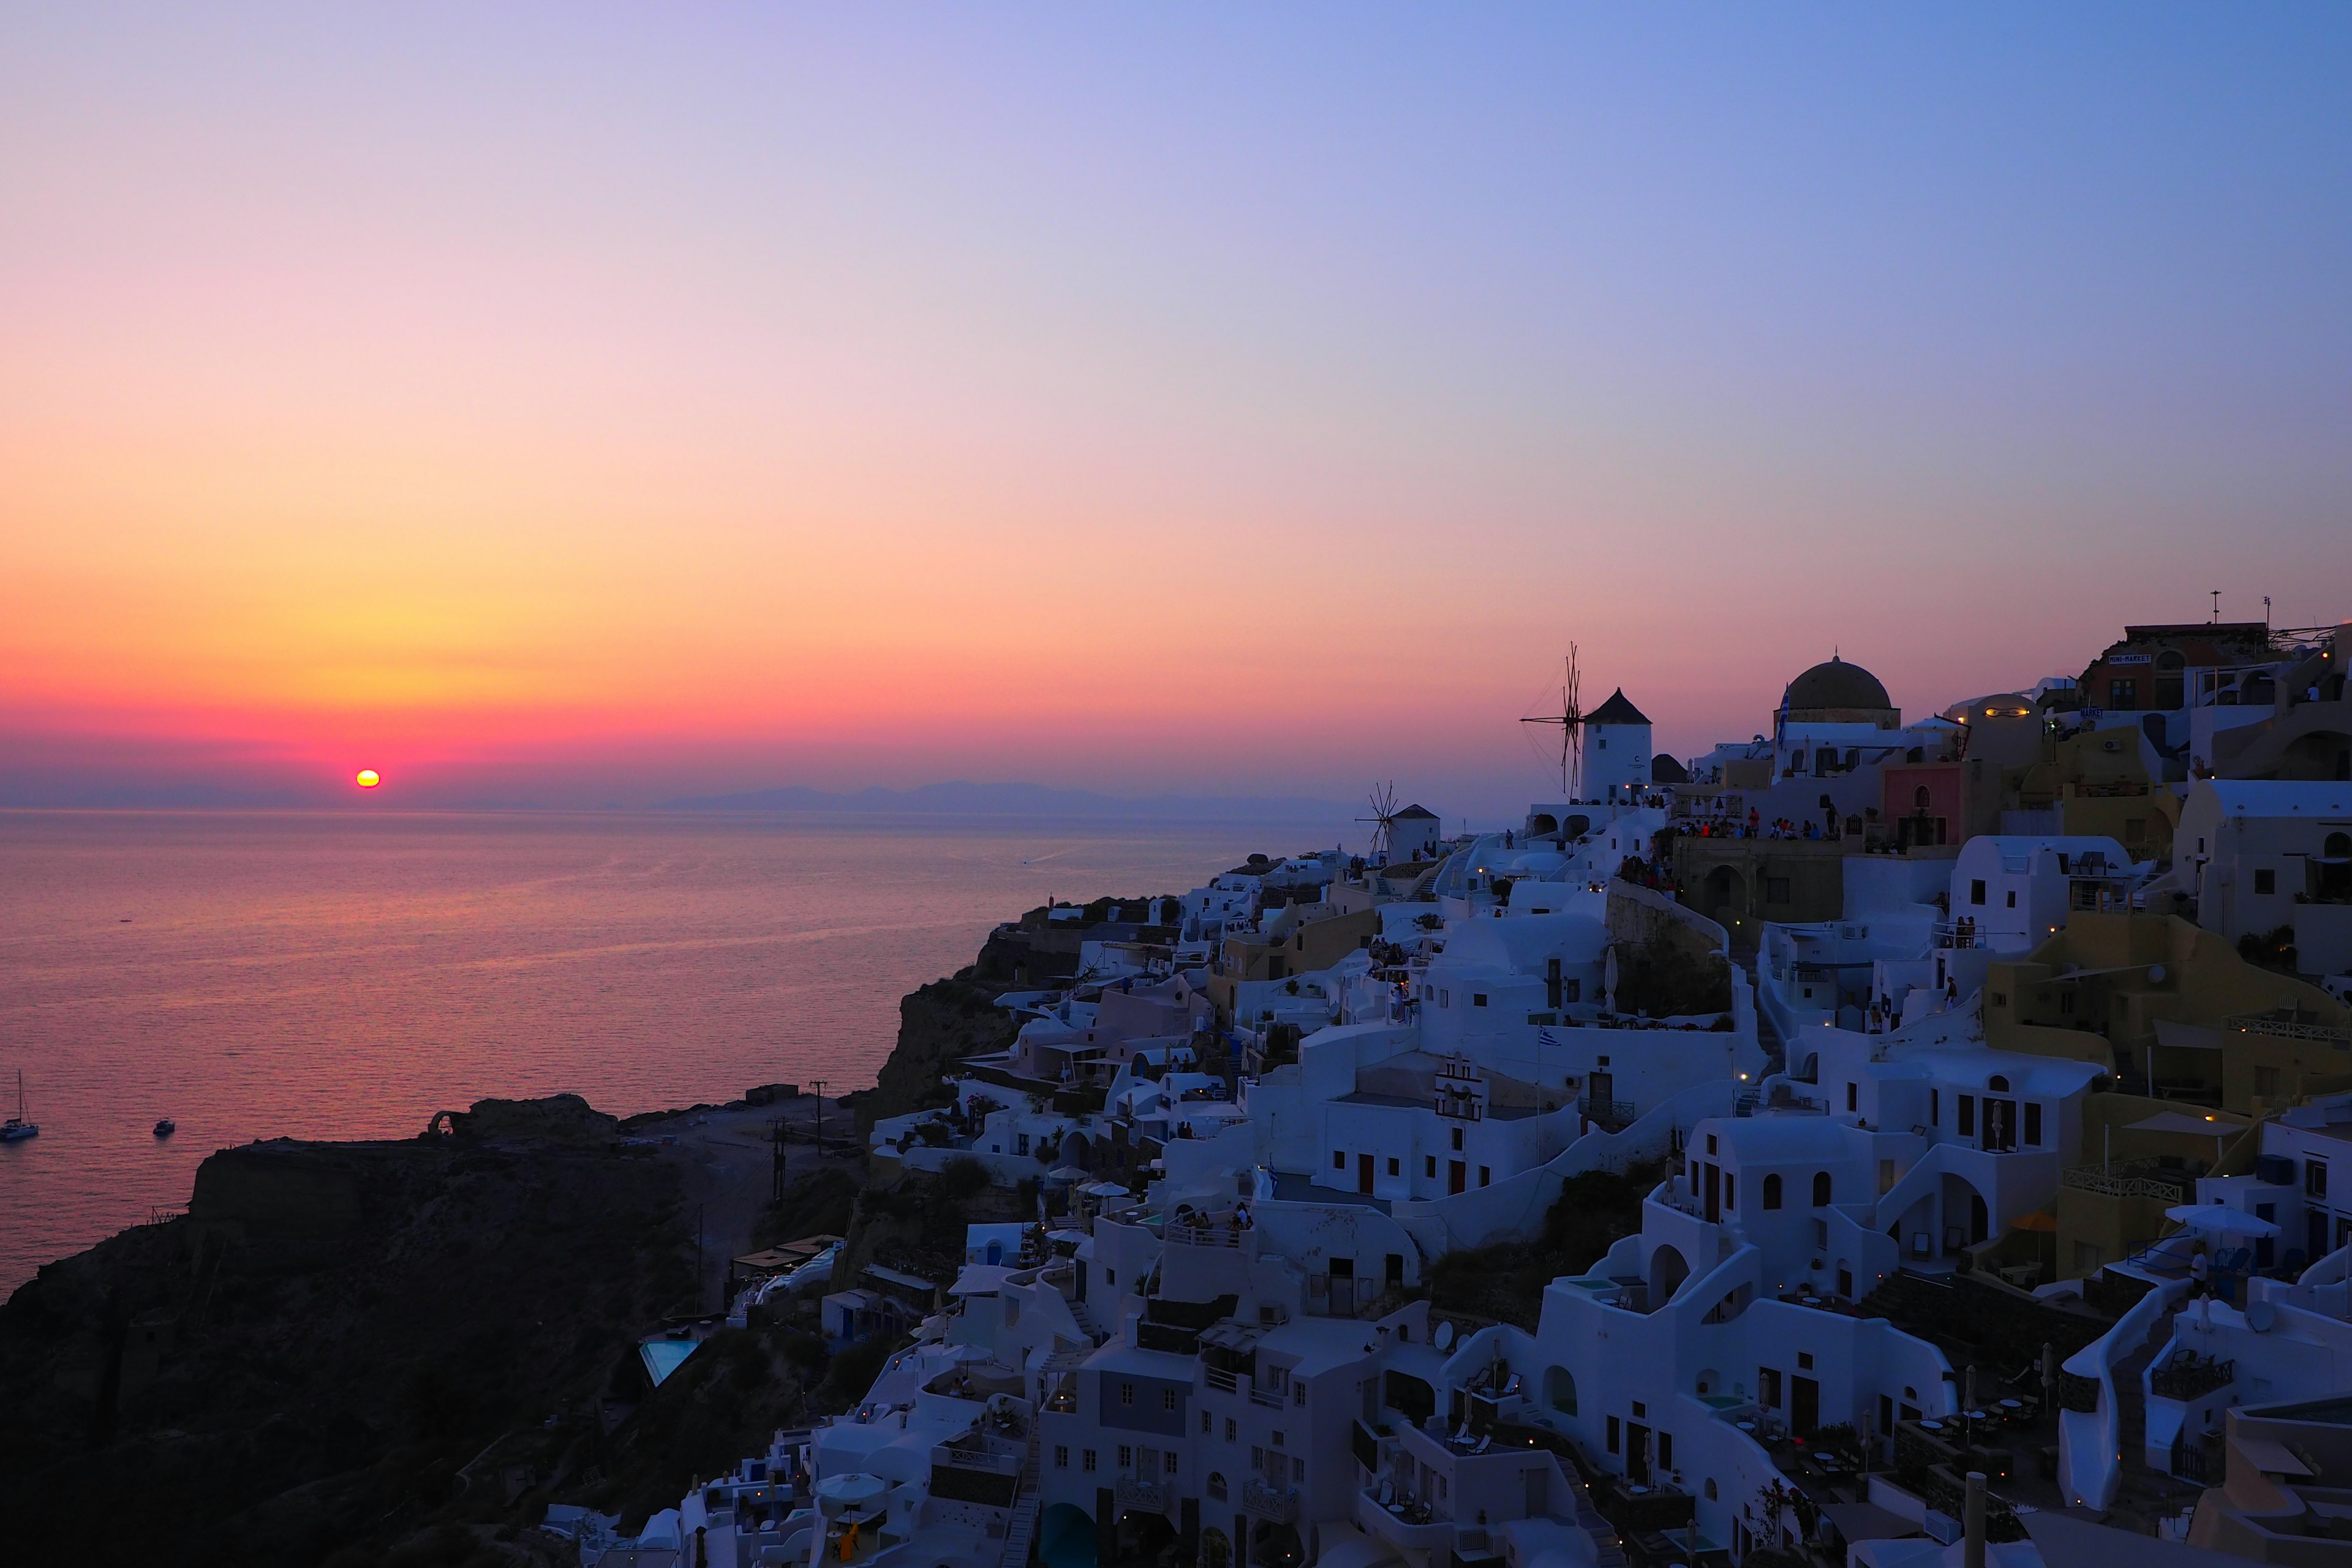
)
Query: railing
[
  {"x": 2163, "y": 1187},
  {"x": 978, "y": 1459},
  {"x": 1222, "y": 1380},
  {"x": 1224, "y": 1236},
  {"x": 2190, "y": 1376},
  {"x": 1611, "y": 1110},
  {"x": 1266, "y": 1502},
  {"x": 2197, "y": 1460},
  {"x": 1269, "y": 1397},
  {"x": 2291, "y": 1029},
  {"x": 1135, "y": 1492}
]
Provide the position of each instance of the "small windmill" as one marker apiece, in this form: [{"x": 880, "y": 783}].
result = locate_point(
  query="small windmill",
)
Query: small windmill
[
  {"x": 1384, "y": 812},
  {"x": 1571, "y": 720}
]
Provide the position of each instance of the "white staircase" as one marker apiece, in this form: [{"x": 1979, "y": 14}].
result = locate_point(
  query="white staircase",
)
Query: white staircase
[{"x": 1021, "y": 1530}]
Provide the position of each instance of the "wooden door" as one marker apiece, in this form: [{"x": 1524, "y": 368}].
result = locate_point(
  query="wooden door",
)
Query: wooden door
[
  {"x": 1363, "y": 1173},
  {"x": 1804, "y": 1404}
]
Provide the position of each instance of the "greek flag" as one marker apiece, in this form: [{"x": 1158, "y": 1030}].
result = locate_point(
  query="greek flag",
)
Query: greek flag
[{"x": 1546, "y": 1037}]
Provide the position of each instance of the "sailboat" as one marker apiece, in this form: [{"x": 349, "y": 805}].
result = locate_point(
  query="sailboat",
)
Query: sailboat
[{"x": 16, "y": 1128}]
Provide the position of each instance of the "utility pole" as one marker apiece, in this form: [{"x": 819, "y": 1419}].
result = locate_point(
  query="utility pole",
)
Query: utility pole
[{"x": 818, "y": 1084}]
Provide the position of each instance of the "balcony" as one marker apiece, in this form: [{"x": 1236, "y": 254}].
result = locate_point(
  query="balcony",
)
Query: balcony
[
  {"x": 1269, "y": 1397},
  {"x": 1145, "y": 1495},
  {"x": 1404, "y": 1524},
  {"x": 2132, "y": 1181},
  {"x": 1221, "y": 1380},
  {"x": 1265, "y": 1501},
  {"x": 2186, "y": 1375},
  {"x": 2291, "y": 1024}
]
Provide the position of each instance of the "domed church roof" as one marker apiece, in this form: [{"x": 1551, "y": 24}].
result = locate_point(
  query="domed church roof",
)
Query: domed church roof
[{"x": 1835, "y": 685}]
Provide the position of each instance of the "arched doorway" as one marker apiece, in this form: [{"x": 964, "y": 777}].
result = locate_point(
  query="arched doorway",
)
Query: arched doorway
[
  {"x": 1542, "y": 825},
  {"x": 1726, "y": 892},
  {"x": 1216, "y": 1550},
  {"x": 1274, "y": 1545},
  {"x": 1076, "y": 1150},
  {"x": 2322, "y": 755},
  {"x": 1667, "y": 1272},
  {"x": 1145, "y": 1537},
  {"x": 1065, "y": 1537}
]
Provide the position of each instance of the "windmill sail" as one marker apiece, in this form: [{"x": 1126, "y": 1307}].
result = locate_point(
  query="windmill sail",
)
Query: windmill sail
[{"x": 1571, "y": 722}]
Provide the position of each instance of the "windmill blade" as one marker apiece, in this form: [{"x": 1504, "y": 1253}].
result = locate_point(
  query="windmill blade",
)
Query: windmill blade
[{"x": 1383, "y": 804}]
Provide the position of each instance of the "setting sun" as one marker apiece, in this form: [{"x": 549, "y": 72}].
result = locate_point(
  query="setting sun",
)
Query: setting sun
[{"x": 368, "y": 779}]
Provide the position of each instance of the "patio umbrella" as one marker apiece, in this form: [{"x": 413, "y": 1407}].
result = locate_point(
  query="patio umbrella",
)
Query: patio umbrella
[
  {"x": 1066, "y": 1174},
  {"x": 2220, "y": 1219}
]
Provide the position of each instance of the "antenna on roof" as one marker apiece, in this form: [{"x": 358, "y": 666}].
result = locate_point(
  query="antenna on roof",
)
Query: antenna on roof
[
  {"x": 1571, "y": 720},
  {"x": 2217, "y": 607}
]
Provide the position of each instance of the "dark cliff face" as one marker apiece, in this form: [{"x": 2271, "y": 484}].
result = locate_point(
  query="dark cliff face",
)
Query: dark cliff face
[
  {"x": 940, "y": 1024},
  {"x": 317, "y": 1354}
]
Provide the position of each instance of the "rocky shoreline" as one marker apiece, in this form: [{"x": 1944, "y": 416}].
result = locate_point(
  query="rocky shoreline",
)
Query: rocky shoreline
[{"x": 399, "y": 1353}]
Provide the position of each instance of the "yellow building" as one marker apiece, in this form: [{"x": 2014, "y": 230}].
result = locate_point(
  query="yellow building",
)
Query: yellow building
[{"x": 2176, "y": 1011}]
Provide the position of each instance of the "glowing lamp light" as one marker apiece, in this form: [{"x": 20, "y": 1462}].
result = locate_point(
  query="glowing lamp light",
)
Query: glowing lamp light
[{"x": 368, "y": 778}]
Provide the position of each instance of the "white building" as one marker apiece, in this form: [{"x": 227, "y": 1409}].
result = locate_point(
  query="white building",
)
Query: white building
[
  {"x": 1617, "y": 751},
  {"x": 2015, "y": 893},
  {"x": 2261, "y": 853}
]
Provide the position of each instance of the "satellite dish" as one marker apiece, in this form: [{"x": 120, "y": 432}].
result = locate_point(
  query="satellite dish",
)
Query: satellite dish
[
  {"x": 2261, "y": 1316},
  {"x": 1443, "y": 1338}
]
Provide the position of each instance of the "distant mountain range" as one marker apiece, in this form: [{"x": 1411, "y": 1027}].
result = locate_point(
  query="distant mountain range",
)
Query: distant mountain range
[{"x": 962, "y": 797}]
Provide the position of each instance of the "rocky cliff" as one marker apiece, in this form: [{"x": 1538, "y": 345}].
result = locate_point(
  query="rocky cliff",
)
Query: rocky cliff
[{"x": 340, "y": 1349}]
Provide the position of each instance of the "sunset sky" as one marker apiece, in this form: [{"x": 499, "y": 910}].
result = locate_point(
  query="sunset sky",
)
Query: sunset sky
[{"x": 580, "y": 405}]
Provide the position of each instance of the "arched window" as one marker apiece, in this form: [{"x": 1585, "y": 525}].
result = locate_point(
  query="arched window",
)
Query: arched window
[
  {"x": 1998, "y": 1084},
  {"x": 1560, "y": 1389},
  {"x": 1919, "y": 797},
  {"x": 1710, "y": 1489},
  {"x": 2338, "y": 847},
  {"x": 1820, "y": 1189},
  {"x": 1216, "y": 1486},
  {"x": 1772, "y": 1191}
]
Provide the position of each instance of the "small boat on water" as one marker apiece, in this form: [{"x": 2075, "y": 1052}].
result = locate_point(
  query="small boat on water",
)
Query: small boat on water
[
  {"x": 166, "y": 1127},
  {"x": 16, "y": 1128}
]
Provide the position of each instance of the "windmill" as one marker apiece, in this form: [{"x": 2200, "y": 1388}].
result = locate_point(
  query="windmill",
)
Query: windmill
[
  {"x": 1384, "y": 811},
  {"x": 1571, "y": 720}
]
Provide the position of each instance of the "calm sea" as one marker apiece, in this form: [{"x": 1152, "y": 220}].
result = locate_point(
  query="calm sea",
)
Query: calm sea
[{"x": 329, "y": 976}]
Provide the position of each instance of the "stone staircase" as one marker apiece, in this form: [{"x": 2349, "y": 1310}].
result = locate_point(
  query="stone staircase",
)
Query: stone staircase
[
  {"x": 1085, "y": 1318},
  {"x": 1606, "y": 1551},
  {"x": 1021, "y": 1530},
  {"x": 2131, "y": 1417}
]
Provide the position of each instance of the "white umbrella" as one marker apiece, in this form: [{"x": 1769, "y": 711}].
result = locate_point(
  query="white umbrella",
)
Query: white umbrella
[
  {"x": 858, "y": 1490},
  {"x": 1066, "y": 1174},
  {"x": 2220, "y": 1219}
]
